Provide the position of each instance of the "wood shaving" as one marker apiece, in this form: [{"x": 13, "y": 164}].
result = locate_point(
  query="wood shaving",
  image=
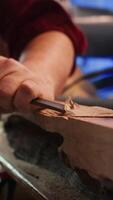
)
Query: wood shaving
[{"x": 69, "y": 104}]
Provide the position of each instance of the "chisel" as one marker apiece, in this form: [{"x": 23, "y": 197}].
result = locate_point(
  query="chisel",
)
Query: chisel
[{"x": 54, "y": 105}]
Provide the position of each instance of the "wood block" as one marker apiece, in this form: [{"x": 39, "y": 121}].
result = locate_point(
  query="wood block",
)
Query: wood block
[{"x": 88, "y": 137}]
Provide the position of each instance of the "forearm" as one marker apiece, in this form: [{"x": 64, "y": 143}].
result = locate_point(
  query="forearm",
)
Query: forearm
[{"x": 50, "y": 55}]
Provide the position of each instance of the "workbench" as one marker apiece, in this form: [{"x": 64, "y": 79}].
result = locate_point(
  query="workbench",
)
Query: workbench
[{"x": 33, "y": 153}]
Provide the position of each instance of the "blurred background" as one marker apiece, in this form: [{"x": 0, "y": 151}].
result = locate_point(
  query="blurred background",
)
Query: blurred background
[{"x": 95, "y": 18}]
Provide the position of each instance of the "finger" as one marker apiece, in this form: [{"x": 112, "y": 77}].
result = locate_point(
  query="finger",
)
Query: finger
[
  {"x": 26, "y": 92},
  {"x": 8, "y": 66},
  {"x": 8, "y": 88},
  {"x": 2, "y": 58}
]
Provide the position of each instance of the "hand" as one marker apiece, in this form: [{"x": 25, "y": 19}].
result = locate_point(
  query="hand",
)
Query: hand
[{"x": 19, "y": 85}]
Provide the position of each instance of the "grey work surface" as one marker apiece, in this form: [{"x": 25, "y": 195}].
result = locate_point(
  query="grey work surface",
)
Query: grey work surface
[{"x": 38, "y": 151}]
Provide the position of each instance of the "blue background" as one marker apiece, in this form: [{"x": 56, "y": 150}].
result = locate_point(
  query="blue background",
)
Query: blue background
[
  {"x": 101, "y": 4},
  {"x": 93, "y": 64}
]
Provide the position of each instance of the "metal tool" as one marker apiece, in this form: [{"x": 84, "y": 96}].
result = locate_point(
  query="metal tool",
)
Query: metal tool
[
  {"x": 90, "y": 101},
  {"x": 22, "y": 177},
  {"x": 54, "y": 105},
  {"x": 48, "y": 186}
]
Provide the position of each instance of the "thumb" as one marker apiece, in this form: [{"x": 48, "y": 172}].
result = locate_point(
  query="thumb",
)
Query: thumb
[{"x": 27, "y": 91}]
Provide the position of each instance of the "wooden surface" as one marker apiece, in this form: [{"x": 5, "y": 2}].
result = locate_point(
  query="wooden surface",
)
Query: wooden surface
[
  {"x": 88, "y": 137},
  {"x": 22, "y": 140}
]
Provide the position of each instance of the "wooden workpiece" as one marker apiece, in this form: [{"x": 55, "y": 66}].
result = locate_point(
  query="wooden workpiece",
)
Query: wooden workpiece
[{"x": 88, "y": 137}]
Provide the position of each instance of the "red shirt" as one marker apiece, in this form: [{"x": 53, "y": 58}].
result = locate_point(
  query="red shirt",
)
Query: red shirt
[{"x": 21, "y": 20}]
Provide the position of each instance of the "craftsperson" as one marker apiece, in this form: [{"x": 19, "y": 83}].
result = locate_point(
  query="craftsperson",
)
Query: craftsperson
[{"x": 42, "y": 42}]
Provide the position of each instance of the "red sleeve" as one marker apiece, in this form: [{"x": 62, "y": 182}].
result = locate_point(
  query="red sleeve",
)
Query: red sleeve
[{"x": 26, "y": 19}]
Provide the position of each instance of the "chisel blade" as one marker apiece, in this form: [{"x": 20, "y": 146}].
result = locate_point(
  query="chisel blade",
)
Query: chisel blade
[{"x": 54, "y": 105}]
